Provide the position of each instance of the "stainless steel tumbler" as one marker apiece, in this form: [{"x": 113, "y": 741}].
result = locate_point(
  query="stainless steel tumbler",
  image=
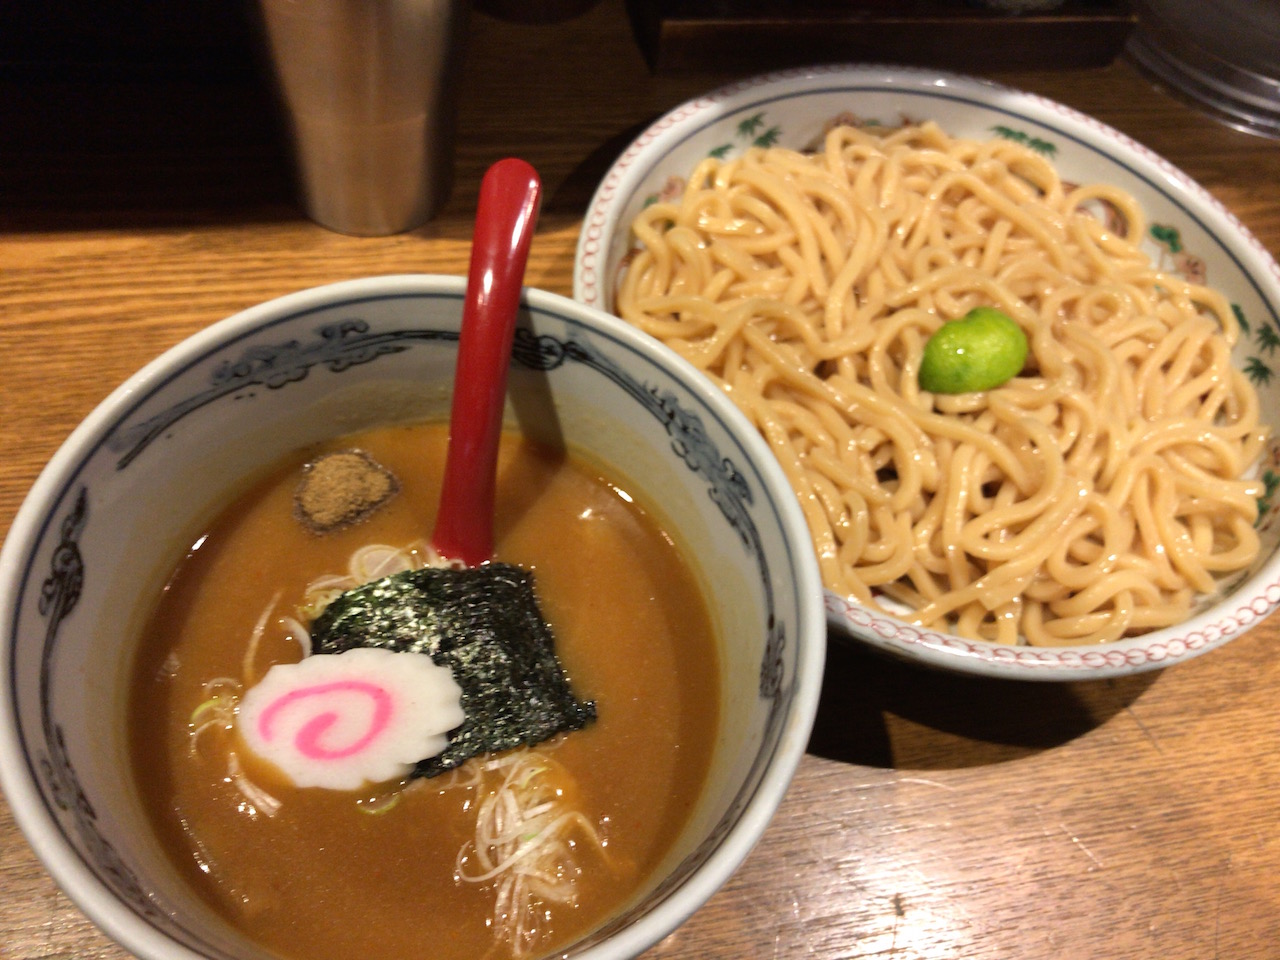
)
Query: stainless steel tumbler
[{"x": 370, "y": 98}]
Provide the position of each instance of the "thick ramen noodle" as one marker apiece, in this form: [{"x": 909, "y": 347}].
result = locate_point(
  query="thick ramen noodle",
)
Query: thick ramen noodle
[
  {"x": 1093, "y": 497},
  {"x": 512, "y": 854}
]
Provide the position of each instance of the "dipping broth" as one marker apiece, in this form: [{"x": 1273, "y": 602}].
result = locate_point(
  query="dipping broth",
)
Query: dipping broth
[{"x": 399, "y": 869}]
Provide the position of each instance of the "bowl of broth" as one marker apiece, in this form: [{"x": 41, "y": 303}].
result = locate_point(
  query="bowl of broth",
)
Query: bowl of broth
[
  {"x": 185, "y": 542},
  {"x": 1111, "y": 508}
]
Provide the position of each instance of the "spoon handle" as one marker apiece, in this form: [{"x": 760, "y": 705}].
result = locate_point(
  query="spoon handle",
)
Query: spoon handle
[{"x": 505, "y": 219}]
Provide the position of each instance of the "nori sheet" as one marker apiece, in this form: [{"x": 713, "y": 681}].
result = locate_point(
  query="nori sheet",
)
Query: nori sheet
[{"x": 485, "y": 625}]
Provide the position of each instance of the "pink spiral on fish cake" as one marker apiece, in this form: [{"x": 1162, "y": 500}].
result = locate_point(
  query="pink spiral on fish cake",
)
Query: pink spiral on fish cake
[
  {"x": 342, "y": 721},
  {"x": 308, "y": 737}
]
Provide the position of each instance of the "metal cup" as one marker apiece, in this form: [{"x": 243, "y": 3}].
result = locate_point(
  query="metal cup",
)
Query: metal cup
[{"x": 370, "y": 98}]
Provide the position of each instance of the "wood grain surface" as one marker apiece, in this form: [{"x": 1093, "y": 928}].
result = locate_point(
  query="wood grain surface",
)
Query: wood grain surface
[{"x": 933, "y": 816}]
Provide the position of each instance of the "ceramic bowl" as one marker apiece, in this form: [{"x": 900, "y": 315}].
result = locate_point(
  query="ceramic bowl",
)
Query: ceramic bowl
[
  {"x": 1190, "y": 232},
  {"x": 121, "y": 500}
]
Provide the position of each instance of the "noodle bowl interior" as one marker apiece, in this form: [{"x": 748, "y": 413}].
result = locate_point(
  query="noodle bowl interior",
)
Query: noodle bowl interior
[
  {"x": 1099, "y": 494},
  {"x": 514, "y": 853}
]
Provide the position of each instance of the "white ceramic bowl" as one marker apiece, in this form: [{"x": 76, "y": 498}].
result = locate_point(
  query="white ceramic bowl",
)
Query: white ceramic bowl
[
  {"x": 121, "y": 500},
  {"x": 790, "y": 109}
]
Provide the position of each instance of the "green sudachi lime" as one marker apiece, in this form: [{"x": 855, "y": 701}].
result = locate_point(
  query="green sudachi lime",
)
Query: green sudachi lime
[{"x": 980, "y": 351}]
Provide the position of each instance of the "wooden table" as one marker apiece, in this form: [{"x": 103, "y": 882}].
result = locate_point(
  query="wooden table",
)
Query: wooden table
[{"x": 933, "y": 816}]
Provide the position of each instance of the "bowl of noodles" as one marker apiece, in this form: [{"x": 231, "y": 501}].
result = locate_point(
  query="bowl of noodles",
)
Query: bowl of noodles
[{"x": 801, "y": 236}]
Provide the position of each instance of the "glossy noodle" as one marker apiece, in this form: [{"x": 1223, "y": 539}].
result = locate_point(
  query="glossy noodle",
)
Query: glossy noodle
[{"x": 1097, "y": 495}]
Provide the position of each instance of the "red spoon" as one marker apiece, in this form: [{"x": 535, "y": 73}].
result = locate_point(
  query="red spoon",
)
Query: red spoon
[{"x": 505, "y": 217}]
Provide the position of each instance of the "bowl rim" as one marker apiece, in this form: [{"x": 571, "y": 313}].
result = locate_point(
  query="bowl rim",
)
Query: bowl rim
[
  {"x": 134, "y": 933},
  {"x": 1253, "y": 599}
]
